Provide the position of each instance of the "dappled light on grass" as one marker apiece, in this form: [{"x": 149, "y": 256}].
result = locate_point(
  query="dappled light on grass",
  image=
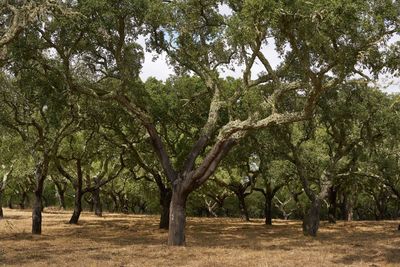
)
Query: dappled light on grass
[{"x": 135, "y": 240}]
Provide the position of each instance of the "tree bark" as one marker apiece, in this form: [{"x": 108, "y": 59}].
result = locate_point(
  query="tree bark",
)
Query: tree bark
[
  {"x": 268, "y": 210},
  {"x": 332, "y": 205},
  {"x": 22, "y": 200},
  {"x": 77, "y": 206},
  {"x": 60, "y": 195},
  {"x": 311, "y": 219},
  {"x": 10, "y": 206},
  {"x": 98, "y": 208},
  {"x": 1, "y": 205},
  {"x": 243, "y": 207},
  {"x": 78, "y": 195},
  {"x": 177, "y": 218},
  {"x": 40, "y": 176},
  {"x": 165, "y": 203}
]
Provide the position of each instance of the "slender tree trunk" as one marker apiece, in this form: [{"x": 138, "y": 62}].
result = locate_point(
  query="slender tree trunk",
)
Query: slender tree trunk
[
  {"x": 332, "y": 204},
  {"x": 61, "y": 196},
  {"x": 61, "y": 199},
  {"x": 10, "y": 206},
  {"x": 268, "y": 210},
  {"x": 78, "y": 195},
  {"x": 348, "y": 208},
  {"x": 40, "y": 176},
  {"x": 77, "y": 206},
  {"x": 22, "y": 200},
  {"x": 243, "y": 207},
  {"x": 37, "y": 207},
  {"x": 311, "y": 219},
  {"x": 98, "y": 208},
  {"x": 177, "y": 218},
  {"x": 165, "y": 203},
  {"x": 1, "y": 205}
]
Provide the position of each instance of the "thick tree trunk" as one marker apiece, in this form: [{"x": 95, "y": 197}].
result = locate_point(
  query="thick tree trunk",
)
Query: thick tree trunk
[
  {"x": 165, "y": 203},
  {"x": 268, "y": 210},
  {"x": 243, "y": 207},
  {"x": 98, "y": 208},
  {"x": 177, "y": 219},
  {"x": 311, "y": 219},
  {"x": 332, "y": 205}
]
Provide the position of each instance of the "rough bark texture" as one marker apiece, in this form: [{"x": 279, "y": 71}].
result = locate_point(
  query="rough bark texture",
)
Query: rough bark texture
[
  {"x": 177, "y": 219},
  {"x": 311, "y": 219},
  {"x": 165, "y": 203}
]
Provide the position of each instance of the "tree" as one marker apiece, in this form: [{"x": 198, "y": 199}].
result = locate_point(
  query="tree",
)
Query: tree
[{"x": 322, "y": 45}]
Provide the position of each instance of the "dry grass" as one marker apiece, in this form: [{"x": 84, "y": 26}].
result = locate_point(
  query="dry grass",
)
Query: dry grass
[{"x": 132, "y": 240}]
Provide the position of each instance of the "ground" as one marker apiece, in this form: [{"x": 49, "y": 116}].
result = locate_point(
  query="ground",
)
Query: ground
[{"x": 135, "y": 240}]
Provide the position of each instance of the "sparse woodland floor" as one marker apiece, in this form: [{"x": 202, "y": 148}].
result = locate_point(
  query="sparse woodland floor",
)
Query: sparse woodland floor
[{"x": 134, "y": 240}]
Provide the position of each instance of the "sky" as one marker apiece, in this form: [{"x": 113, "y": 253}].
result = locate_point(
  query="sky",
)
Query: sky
[{"x": 156, "y": 65}]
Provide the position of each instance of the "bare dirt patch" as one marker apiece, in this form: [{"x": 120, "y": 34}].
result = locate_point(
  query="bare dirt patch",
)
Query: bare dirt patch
[{"x": 134, "y": 240}]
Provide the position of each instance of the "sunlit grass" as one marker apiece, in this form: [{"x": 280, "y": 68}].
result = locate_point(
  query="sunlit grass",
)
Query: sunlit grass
[{"x": 135, "y": 240}]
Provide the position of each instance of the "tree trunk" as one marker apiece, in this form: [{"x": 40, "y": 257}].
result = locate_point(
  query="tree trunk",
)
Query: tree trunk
[
  {"x": 165, "y": 203},
  {"x": 348, "y": 209},
  {"x": 1, "y": 205},
  {"x": 40, "y": 176},
  {"x": 37, "y": 209},
  {"x": 22, "y": 200},
  {"x": 311, "y": 218},
  {"x": 177, "y": 219},
  {"x": 243, "y": 207},
  {"x": 77, "y": 206},
  {"x": 78, "y": 195},
  {"x": 60, "y": 195},
  {"x": 268, "y": 210},
  {"x": 10, "y": 206},
  {"x": 332, "y": 205},
  {"x": 98, "y": 209}
]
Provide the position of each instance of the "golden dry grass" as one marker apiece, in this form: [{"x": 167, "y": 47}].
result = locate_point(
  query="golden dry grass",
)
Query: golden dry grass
[{"x": 132, "y": 240}]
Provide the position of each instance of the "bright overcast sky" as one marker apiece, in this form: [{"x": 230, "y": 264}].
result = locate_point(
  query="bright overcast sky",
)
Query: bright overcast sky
[{"x": 159, "y": 68}]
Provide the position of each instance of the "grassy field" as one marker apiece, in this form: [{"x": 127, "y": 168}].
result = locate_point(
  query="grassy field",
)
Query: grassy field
[{"x": 133, "y": 240}]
